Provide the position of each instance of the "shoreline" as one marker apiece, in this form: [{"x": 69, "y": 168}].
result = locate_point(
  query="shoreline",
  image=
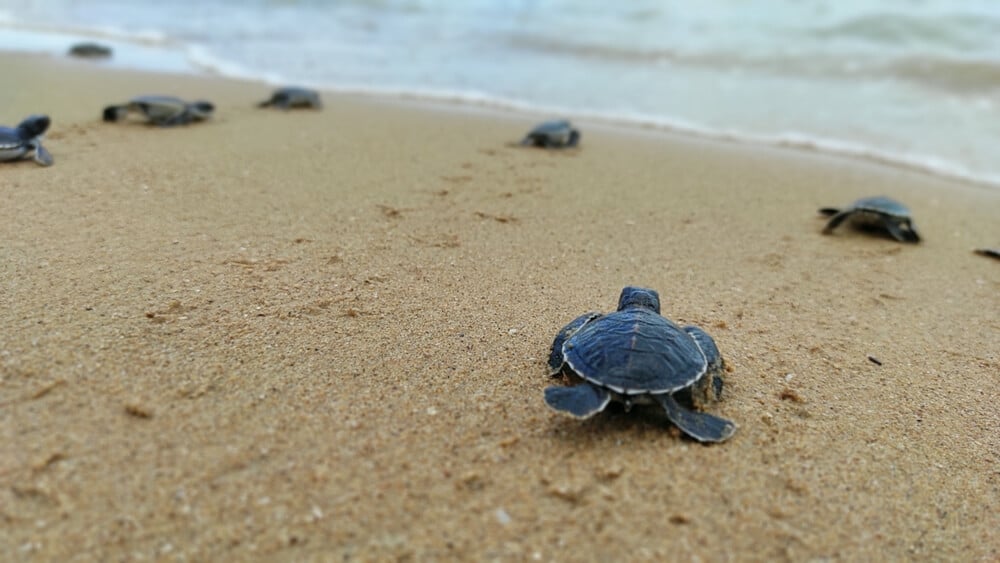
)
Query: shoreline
[
  {"x": 475, "y": 101},
  {"x": 312, "y": 335}
]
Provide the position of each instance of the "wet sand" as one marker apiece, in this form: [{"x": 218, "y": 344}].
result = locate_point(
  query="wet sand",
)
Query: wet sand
[{"x": 321, "y": 336}]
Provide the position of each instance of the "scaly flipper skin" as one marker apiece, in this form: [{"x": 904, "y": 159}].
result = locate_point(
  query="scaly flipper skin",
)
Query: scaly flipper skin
[
  {"x": 42, "y": 156},
  {"x": 581, "y": 401},
  {"x": 701, "y": 426}
]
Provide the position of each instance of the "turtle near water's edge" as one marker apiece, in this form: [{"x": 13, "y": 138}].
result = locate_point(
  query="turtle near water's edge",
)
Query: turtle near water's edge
[
  {"x": 293, "y": 97},
  {"x": 878, "y": 212},
  {"x": 557, "y": 134}
]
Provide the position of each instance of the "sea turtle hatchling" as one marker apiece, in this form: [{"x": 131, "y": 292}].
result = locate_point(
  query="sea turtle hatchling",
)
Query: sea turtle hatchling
[
  {"x": 293, "y": 97},
  {"x": 25, "y": 140},
  {"x": 878, "y": 212},
  {"x": 557, "y": 134},
  {"x": 162, "y": 110},
  {"x": 90, "y": 50},
  {"x": 636, "y": 356}
]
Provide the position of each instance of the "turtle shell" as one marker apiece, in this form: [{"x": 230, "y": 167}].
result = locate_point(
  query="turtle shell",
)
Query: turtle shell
[
  {"x": 158, "y": 107},
  {"x": 553, "y": 134},
  {"x": 635, "y": 351},
  {"x": 882, "y": 205},
  {"x": 10, "y": 139},
  {"x": 293, "y": 96}
]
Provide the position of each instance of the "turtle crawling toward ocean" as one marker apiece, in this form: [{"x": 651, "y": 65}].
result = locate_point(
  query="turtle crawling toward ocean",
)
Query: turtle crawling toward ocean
[
  {"x": 557, "y": 134},
  {"x": 164, "y": 111},
  {"x": 293, "y": 97},
  {"x": 90, "y": 50},
  {"x": 25, "y": 140},
  {"x": 877, "y": 212},
  {"x": 636, "y": 356}
]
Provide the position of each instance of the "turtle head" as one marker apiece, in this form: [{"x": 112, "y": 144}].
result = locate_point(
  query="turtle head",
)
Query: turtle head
[
  {"x": 201, "y": 109},
  {"x": 33, "y": 126},
  {"x": 639, "y": 297}
]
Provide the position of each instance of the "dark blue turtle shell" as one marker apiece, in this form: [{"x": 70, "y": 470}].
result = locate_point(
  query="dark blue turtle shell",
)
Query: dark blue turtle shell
[
  {"x": 556, "y": 354},
  {"x": 635, "y": 351},
  {"x": 882, "y": 205}
]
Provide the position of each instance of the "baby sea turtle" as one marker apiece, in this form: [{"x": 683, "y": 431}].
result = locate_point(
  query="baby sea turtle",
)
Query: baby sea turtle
[
  {"x": 90, "y": 50},
  {"x": 988, "y": 252},
  {"x": 552, "y": 135},
  {"x": 636, "y": 356},
  {"x": 162, "y": 110},
  {"x": 877, "y": 212},
  {"x": 25, "y": 140},
  {"x": 293, "y": 97}
]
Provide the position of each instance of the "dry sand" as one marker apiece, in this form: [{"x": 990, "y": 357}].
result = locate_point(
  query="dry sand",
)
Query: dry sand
[{"x": 321, "y": 336}]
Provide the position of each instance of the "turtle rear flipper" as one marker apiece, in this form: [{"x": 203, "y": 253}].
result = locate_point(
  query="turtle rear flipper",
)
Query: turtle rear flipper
[
  {"x": 828, "y": 211},
  {"x": 581, "y": 401},
  {"x": 701, "y": 426}
]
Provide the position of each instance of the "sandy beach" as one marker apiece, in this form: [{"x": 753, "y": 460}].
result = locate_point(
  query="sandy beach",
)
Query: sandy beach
[{"x": 305, "y": 335}]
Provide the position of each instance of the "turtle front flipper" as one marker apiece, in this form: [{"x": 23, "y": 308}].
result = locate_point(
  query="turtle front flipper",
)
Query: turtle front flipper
[
  {"x": 42, "y": 156},
  {"x": 556, "y": 352},
  {"x": 581, "y": 401},
  {"x": 115, "y": 113},
  {"x": 701, "y": 426},
  {"x": 895, "y": 228},
  {"x": 837, "y": 220}
]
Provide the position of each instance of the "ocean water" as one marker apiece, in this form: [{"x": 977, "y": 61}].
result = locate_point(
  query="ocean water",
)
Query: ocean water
[{"x": 913, "y": 83}]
